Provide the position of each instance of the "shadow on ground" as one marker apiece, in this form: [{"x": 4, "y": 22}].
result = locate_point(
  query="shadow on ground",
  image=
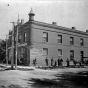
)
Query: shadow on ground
[
  {"x": 11, "y": 86},
  {"x": 80, "y": 79},
  {"x": 65, "y": 80}
]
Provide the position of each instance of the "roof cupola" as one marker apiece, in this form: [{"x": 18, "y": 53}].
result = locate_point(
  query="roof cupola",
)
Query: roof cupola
[{"x": 31, "y": 15}]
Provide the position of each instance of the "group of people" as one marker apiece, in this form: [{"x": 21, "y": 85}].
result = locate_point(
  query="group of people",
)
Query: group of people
[
  {"x": 57, "y": 62},
  {"x": 76, "y": 62}
]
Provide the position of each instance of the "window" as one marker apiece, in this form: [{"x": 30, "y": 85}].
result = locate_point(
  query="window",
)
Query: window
[
  {"x": 59, "y": 38},
  {"x": 45, "y": 36},
  {"x": 81, "y": 42},
  {"x": 19, "y": 38},
  {"x": 71, "y": 54},
  {"x": 71, "y": 41},
  {"x": 45, "y": 51},
  {"x": 59, "y": 52},
  {"x": 25, "y": 36}
]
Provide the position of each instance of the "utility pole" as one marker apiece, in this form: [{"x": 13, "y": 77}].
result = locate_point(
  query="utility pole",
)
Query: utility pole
[
  {"x": 7, "y": 49},
  {"x": 17, "y": 43},
  {"x": 16, "y": 49},
  {"x": 12, "y": 60},
  {"x": 6, "y": 52}
]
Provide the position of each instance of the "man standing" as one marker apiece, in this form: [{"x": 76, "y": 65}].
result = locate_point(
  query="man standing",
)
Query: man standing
[
  {"x": 35, "y": 61},
  {"x": 52, "y": 61},
  {"x": 58, "y": 60},
  {"x": 67, "y": 62},
  {"x": 46, "y": 60},
  {"x": 61, "y": 61},
  {"x": 55, "y": 64}
]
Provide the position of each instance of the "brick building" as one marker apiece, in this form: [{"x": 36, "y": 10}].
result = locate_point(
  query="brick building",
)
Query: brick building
[{"x": 40, "y": 40}]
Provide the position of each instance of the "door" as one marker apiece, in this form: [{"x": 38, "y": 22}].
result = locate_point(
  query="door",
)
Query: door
[{"x": 82, "y": 55}]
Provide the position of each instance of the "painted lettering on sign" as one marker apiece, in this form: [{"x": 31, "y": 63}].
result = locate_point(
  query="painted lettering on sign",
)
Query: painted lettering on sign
[
  {"x": 36, "y": 53},
  {"x": 24, "y": 44}
]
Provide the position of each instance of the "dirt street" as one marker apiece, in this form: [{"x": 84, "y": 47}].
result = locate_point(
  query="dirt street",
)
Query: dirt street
[{"x": 38, "y": 78}]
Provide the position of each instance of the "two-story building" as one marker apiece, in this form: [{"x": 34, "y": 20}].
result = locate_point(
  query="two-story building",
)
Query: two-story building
[{"x": 40, "y": 40}]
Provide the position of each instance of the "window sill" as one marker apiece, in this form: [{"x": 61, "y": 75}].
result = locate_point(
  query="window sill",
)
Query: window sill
[
  {"x": 72, "y": 44},
  {"x": 44, "y": 55},
  {"x": 59, "y": 43},
  {"x": 59, "y": 55},
  {"x": 44, "y": 42},
  {"x": 81, "y": 45}
]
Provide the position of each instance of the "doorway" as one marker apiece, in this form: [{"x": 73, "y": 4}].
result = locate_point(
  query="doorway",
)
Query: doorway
[{"x": 82, "y": 56}]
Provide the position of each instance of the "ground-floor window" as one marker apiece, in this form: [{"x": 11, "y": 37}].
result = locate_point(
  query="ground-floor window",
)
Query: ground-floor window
[
  {"x": 45, "y": 51},
  {"x": 59, "y": 52}
]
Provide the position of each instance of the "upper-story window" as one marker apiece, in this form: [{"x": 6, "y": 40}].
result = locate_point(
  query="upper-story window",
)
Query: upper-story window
[
  {"x": 19, "y": 38},
  {"x": 25, "y": 36},
  {"x": 81, "y": 42},
  {"x": 71, "y": 40},
  {"x": 45, "y": 36},
  {"x": 60, "y": 39}
]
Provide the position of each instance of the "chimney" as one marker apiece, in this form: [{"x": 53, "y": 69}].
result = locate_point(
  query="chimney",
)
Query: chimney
[
  {"x": 22, "y": 21},
  {"x": 86, "y": 31},
  {"x": 73, "y": 28},
  {"x": 54, "y": 23}
]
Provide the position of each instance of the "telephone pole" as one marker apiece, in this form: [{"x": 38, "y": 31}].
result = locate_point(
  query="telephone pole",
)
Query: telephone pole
[
  {"x": 6, "y": 52},
  {"x": 7, "y": 49},
  {"x": 12, "y": 59},
  {"x": 17, "y": 43},
  {"x": 16, "y": 48}
]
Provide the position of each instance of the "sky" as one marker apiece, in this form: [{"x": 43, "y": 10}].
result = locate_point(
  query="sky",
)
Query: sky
[{"x": 66, "y": 13}]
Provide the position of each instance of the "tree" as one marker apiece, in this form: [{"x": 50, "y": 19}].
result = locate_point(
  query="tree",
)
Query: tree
[{"x": 2, "y": 50}]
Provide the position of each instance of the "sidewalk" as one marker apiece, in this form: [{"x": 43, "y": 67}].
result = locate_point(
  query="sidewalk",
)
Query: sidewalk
[
  {"x": 3, "y": 66},
  {"x": 18, "y": 67}
]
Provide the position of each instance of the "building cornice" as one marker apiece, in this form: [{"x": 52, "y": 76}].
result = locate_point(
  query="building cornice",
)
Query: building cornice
[
  {"x": 53, "y": 26},
  {"x": 58, "y": 27}
]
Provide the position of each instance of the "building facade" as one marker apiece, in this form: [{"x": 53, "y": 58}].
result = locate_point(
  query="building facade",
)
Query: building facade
[{"x": 38, "y": 40}]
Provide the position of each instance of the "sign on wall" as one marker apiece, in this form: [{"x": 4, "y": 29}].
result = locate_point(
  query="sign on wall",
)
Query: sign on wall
[
  {"x": 24, "y": 44},
  {"x": 36, "y": 52}
]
